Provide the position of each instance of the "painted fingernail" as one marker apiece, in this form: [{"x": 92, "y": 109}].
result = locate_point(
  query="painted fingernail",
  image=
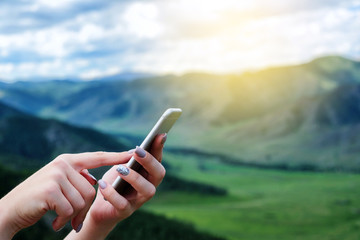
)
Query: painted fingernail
[
  {"x": 123, "y": 170},
  {"x": 60, "y": 229},
  {"x": 131, "y": 151},
  {"x": 102, "y": 184},
  {"x": 92, "y": 177},
  {"x": 163, "y": 140},
  {"x": 140, "y": 152},
  {"x": 79, "y": 227}
]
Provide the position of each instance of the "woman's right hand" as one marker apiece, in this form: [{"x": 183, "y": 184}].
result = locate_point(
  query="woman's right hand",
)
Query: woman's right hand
[{"x": 62, "y": 186}]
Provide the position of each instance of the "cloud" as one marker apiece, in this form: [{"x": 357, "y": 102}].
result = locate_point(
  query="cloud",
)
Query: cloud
[
  {"x": 96, "y": 73},
  {"x": 141, "y": 20},
  {"x": 85, "y": 39}
]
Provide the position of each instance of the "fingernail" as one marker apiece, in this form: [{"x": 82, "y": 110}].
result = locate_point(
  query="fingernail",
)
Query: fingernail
[
  {"x": 92, "y": 177},
  {"x": 140, "y": 152},
  {"x": 102, "y": 184},
  {"x": 79, "y": 227},
  {"x": 123, "y": 170},
  {"x": 163, "y": 140},
  {"x": 131, "y": 151},
  {"x": 60, "y": 229}
]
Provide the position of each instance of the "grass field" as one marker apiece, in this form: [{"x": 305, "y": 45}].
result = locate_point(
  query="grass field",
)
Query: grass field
[{"x": 264, "y": 204}]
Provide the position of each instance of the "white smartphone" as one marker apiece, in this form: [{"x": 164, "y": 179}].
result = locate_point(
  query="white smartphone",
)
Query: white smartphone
[{"x": 163, "y": 125}]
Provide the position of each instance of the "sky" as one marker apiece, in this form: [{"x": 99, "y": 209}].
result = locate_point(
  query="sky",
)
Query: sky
[{"x": 77, "y": 39}]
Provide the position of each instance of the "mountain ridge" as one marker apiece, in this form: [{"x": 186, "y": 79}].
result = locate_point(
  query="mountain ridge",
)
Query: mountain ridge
[
  {"x": 29, "y": 137},
  {"x": 266, "y": 117}
]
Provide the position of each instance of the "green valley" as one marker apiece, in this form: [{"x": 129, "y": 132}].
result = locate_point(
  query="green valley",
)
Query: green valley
[{"x": 264, "y": 204}]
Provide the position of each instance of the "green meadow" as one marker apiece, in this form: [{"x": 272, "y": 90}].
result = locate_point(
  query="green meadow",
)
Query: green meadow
[{"x": 263, "y": 203}]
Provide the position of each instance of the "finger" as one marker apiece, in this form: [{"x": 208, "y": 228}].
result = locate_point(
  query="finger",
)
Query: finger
[
  {"x": 143, "y": 187},
  {"x": 86, "y": 191},
  {"x": 111, "y": 174},
  {"x": 158, "y": 145},
  {"x": 75, "y": 199},
  {"x": 155, "y": 170},
  {"x": 89, "y": 177},
  {"x": 120, "y": 203},
  {"x": 91, "y": 160},
  {"x": 63, "y": 209}
]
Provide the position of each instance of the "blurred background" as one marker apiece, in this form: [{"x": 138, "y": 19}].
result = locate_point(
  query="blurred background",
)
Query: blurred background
[{"x": 268, "y": 145}]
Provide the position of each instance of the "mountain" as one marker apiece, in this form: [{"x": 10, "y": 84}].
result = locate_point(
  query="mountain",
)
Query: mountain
[
  {"x": 29, "y": 140},
  {"x": 257, "y": 93},
  {"x": 301, "y": 116},
  {"x": 314, "y": 133},
  {"x": 126, "y": 76},
  {"x": 111, "y": 104},
  {"x": 205, "y": 97}
]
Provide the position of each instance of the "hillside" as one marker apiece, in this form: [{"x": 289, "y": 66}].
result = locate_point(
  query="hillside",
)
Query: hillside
[
  {"x": 301, "y": 116},
  {"x": 26, "y": 140}
]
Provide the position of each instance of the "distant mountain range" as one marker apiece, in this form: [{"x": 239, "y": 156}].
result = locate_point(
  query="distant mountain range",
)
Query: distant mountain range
[{"x": 303, "y": 115}]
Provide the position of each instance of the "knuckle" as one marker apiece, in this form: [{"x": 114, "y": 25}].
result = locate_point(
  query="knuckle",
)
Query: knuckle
[
  {"x": 122, "y": 206},
  {"x": 51, "y": 189},
  {"x": 57, "y": 175},
  {"x": 162, "y": 172},
  {"x": 101, "y": 156},
  {"x": 68, "y": 211},
  {"x": 90, "y": 194},
  {"x": 80, "y": 204},
  {"x": 60, "y": 162},
  {"x": 151, "y": 192},
  {"x": 136, "y": 177},
  {"x": 62, "y": 157},
  {"x": 44, "y": 206},
  {"x": 100, "y": 153}
]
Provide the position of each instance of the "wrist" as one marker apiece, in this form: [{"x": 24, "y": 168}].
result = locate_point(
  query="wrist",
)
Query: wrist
[
  {"x": 101, "y": 229},
  {"x": 8, "y": 227},
  {"x": 92, "y": 230}
]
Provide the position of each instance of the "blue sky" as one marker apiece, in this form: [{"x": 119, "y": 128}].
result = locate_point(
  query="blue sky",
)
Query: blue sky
[{"x": 67, "y": 39}]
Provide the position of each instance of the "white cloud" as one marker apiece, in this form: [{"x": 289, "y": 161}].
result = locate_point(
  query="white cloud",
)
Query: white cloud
[
  {"x": 96, "y": 73},
  {"x": 272, "y": 40},
  {"x": 141, "y": 20},
  {"x": 171, "y": 36},
  {"x": 5, "y": 70},
  {"x": 55, "y": 4}
]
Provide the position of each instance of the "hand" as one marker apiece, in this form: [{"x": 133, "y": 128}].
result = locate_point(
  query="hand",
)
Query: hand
[
  {"x": 105, "y": 214},
  {"x": 59, "y": 186}
]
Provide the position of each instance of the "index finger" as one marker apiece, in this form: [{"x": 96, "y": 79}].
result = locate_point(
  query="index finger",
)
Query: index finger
[
  {"x": 89, "y": 160},
  {"x": 157, "y": 146}
]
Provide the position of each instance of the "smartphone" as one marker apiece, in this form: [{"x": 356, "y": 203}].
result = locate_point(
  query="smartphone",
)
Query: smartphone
[{"x": 163, "y": 125}]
